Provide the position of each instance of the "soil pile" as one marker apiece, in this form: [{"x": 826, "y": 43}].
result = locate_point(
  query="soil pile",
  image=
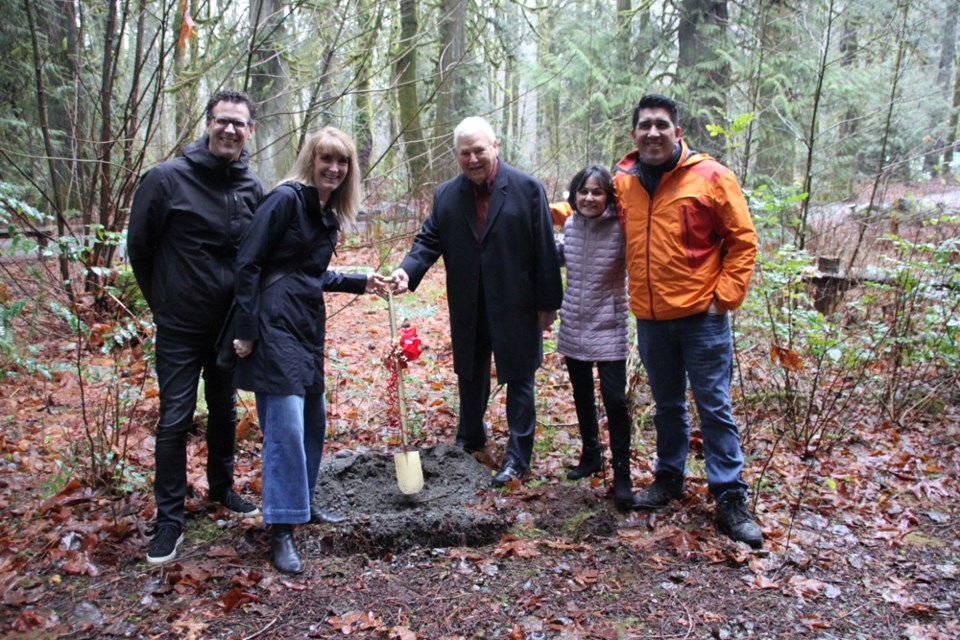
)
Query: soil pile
[{"x": 381, "y": 519}]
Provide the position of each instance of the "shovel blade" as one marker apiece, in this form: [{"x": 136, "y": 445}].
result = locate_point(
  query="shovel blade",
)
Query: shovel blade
[{"x": 409, "y": 471}]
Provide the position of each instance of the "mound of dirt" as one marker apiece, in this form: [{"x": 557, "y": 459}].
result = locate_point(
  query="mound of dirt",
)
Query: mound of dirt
[{"x": 381, "y": 519}]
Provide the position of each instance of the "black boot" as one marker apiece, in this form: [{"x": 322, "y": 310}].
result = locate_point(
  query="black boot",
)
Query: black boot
[
  {"x": 736, "y": 522},
  {"x": 622, "y": 485},
  {"x": 319, "y": 516},
  {"x": 618, "y": 422},
  {"x": 666, "y": 487},
  {"x": 591, "y": 456},
  {"x": 284, "y": 550},
  {"x": 590, "y": 461}
]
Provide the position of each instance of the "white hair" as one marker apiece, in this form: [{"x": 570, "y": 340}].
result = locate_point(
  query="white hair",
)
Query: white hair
[{"x": 470, "y": 126}]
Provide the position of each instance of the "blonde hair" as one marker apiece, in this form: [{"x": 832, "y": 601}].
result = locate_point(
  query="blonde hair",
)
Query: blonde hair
[{"x": 345, "y": 200}]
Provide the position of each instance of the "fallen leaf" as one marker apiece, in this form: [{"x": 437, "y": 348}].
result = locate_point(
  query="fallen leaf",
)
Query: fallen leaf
[
  {"x": 402, "y": 633},
  {"x": 518, "y": 548},
  {"x": 194, "y": 629},
  {"x": 236, "y": 598}
]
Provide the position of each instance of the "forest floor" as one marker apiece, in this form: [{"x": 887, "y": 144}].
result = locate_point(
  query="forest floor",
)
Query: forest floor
[{"x": 862, "y": 538}]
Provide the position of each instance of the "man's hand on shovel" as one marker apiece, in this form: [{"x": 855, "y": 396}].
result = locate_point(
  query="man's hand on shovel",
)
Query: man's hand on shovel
[{"x": 400, "y": 281}]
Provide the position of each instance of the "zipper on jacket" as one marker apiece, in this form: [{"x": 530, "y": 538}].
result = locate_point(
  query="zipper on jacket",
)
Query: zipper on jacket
[
  {"x": 653, "y": 313},
  {"x": 228, "y": 231},
  {"x": 681, "y": 163},
  {"x": 585, "y": 234},
  {"x": 228, "y": 210}
]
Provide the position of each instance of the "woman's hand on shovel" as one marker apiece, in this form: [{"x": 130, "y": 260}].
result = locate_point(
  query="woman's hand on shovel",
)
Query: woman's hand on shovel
[{"x": 377, "y": 284}]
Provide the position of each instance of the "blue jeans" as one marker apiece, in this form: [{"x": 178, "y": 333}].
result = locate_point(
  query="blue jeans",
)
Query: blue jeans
[
  {"x": 181, "y": 359},
  {"x": 700, "y": 348},
  {"x": 293, "y": 430}
]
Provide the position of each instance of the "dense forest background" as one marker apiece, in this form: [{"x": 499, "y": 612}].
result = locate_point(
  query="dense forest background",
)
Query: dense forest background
[
  {"x": 803, "y": 98},
  {"x": 840, "y": 118},
  {"x": 825, "y": 109}
]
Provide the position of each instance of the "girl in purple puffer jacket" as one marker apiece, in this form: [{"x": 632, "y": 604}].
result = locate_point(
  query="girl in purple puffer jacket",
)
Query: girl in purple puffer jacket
[{"x": 593, "y": 322}]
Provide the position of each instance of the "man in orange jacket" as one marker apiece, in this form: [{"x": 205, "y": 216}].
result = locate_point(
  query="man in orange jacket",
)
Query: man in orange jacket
[{"x": 690, "y": 252}]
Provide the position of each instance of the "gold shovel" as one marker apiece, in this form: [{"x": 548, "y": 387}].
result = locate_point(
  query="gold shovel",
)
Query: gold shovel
[{"x": 409, "y": 471}]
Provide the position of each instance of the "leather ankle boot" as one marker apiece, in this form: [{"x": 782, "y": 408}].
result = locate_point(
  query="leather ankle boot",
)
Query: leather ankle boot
[
  {"x": 284, "y": 550},
  {"x": 622, "y": 485},
  {"x": 591, "y": 459}
]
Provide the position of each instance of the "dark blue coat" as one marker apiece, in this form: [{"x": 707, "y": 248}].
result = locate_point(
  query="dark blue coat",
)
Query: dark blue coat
[
  {"x": 287, "y": 320},
  {"x": 515, "y": 260}
]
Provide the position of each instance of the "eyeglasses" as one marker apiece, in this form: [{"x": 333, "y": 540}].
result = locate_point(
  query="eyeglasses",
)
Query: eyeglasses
[{"x": 224, "y": 121}]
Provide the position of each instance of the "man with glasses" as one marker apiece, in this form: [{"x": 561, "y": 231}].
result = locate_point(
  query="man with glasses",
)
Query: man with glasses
[{"x": 186, "y": 221}]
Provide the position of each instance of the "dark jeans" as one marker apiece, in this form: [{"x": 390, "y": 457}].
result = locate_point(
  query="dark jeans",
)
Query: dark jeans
[
  {"x": 181, "y": 359},
  {"x": 613, "y": 386}
]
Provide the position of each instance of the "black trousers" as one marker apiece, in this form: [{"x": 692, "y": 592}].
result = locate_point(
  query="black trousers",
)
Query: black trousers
[
  {"x": 181, "y": 360},
  {"x": 475, "y": 394},
  {"x": 613, "y": 386}
]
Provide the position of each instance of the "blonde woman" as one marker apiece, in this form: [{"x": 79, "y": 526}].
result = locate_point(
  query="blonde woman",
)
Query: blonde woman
[{"x": 282, "y": 272}]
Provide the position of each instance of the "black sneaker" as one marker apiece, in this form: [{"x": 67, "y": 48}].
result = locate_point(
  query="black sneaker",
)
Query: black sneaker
[
  {"x": 238, "y": 505},
  {"x": 736, "y": 522},
  {"x": 164, "y": 544},
  {"x": 666, "y": 487}
]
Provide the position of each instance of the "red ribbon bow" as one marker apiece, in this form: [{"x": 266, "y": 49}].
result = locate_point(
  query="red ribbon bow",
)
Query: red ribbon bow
[
  {"x": 410, "y": 346},
  {"x": 406, "y": 349}
]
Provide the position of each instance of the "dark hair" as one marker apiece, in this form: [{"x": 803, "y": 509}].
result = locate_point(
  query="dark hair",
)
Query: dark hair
[
  {"x": 592, "y": 171},
  {"x": 657, "y": 101},
  {"x": 234, "y": 97}
]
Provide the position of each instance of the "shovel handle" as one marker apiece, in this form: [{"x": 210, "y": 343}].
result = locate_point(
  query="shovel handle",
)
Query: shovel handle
[{"x": 400, "y": 396}]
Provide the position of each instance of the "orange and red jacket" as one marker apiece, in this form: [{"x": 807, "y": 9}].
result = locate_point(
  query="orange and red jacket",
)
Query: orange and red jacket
[{"x": 692, "y": 243}]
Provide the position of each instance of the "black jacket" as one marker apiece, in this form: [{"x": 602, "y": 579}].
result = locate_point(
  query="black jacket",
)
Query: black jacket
[
  {"x": 288, "y": 320},
  {"x": 186, "y": 222},
  {"x": 514, "y": 263}
]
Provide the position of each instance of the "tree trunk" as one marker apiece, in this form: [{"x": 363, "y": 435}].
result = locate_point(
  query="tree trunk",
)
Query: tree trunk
[
  {"x": 55, "y": 193},
  {"x": 66, "y": 110},
  {"x": 801, "y": 237},
  {"x": 131, "y": 159},
  {"x": 269, "y": 84},
  {"x": 370, "y": 18},
  {"x": 940, "y": 117},
  {"x": 702, "y": 72},
  {"x": 184, "y": 53},
  {"x": 902, "y": 45},
  {"x": 951, "y": 139},
  {"x": 105, "y": 173},
  {"x": 770, "y": 143},
  {"x": 509, "y": 31},
  {"x": 409, "y": 102},
  {"x": 452, "y": 100}
]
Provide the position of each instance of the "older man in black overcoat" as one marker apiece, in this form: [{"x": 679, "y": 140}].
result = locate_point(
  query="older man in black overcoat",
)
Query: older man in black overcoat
[{"x": 492, "y": 226}]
